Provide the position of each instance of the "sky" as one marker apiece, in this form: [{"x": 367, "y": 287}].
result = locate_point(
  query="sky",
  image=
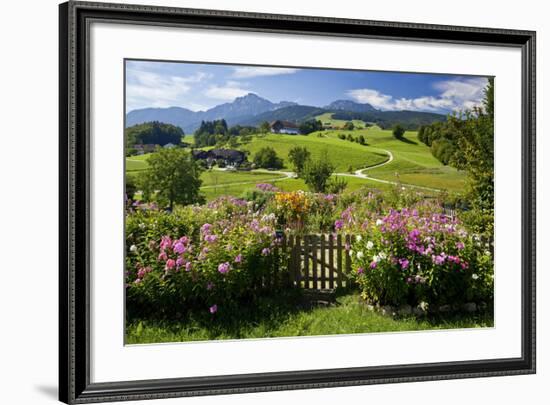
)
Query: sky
[{"x": 200, "y": 86}]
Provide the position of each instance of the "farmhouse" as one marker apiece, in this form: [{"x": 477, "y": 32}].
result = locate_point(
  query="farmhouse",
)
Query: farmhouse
[
  {"x": 284, "y": 127},
  {"x": 144, "y": 148},
  {"x": 230, "y": 157}
]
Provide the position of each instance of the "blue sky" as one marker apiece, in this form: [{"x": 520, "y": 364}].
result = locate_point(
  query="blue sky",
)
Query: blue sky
[{"x": 199, "y": 86}]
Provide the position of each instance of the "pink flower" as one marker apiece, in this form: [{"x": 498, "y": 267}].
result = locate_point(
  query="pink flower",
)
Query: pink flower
[
  {"x": 210, "y": 238},
  {"x": 188, "y": 266},
  {"x": 170, "y": 264},
  {"x": 266, "y": 251},
  {"x": 239, "y": 258},
  {"x": 224, "y": 267},
  {"x": 213, "y": 309},
  {"x": 459, "y": 245},
  {"x": 162, "y": 257}
]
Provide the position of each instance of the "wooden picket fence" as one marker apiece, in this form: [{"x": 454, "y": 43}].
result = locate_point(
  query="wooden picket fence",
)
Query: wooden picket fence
[{"x": 318, "y": 262}]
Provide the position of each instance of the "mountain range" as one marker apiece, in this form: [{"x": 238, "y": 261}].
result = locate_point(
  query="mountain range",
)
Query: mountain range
[{"x": 252, "y": 109}]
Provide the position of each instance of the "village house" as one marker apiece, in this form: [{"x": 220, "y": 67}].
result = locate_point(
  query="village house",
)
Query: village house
[
  {"x": 141, "y": 149},
  {"x": 229, "y": 157},
  {"x": 284, "y": 127}
]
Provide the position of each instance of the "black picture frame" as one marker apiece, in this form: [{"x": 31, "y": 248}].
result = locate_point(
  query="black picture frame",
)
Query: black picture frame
[{"x": 74, "y": 194}]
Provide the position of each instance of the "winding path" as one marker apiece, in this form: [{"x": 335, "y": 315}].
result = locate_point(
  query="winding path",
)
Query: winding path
[{"x": 360, "y": 173}]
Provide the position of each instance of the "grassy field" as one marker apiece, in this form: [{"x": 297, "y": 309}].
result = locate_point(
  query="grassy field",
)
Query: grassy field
[
  {"x": 281, "y": 317},
  {"x": 327, "y": 119},
  {"x": 412, "y": 164},
  {"x": 413, "y": 161},
  {"x": 342, "y": 154}
]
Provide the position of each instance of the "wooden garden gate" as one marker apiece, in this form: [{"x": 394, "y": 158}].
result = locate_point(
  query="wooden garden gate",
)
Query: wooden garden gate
[{"x": 318, "y": 262}]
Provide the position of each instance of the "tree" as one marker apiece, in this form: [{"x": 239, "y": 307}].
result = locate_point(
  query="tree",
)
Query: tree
[
  {"x": 154, "y": 132},
  {"x": 348, "y": 126},
  {"x": 310, "y": 126},
  {"x": 267, "y": 158},
  {"x": 361, "y": 139},
  {"x": 264, "y": 127},
  {"x": 317, "y": 173},
  {"x": 211, "y": 132},
  {"x": 298, "y": 156},
  {"x": 173, "y": 177},
  {"x": 336, "y": 185},
  {"x": 398, "y": 131}
]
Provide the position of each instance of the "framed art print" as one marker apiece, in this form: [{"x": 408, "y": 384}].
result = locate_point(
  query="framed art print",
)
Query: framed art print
[{"x": 254, "y": 202}]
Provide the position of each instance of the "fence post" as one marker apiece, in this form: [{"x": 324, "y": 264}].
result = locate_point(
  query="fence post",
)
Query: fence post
[
  {"x": 306, "y": 261},
  {"x": 348, "y": 257},
  {"x": 314, "y": 250}
]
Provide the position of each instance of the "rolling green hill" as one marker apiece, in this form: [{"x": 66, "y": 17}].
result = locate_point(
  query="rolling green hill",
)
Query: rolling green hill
[
  {"x": 412, "y": 163},
  {"x": 342, "y": 154}
]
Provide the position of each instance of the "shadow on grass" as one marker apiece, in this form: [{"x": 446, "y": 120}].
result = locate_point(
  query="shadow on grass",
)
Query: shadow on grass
[{"x": 406, "y": 140}]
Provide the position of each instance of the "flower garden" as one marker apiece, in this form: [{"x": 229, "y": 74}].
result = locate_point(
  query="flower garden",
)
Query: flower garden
[{"x": 207, "y": 266}]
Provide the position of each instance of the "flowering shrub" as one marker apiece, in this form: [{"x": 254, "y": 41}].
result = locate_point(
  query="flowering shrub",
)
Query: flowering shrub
[
  {"x": 206, "y": 257},
  {"x": 292, "y": 208},
  {"x": 406, "y": 257}
]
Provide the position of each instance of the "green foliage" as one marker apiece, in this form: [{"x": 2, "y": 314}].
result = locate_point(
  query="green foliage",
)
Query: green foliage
[
  {"x": 211, "y": 132},
  {"x": 342, "y": 137},
  {"x": 310, "y": 126},
  {"x": 361, "y": 140},
  {"x": 336, "y": 185},
  {"x": 173, "y": 177},
  {"x": 317, "y": 173},
  {"x": 348, "y": 126},
  {"x": 156, "y": 133},
  {"x": 267, "y": 158},
  {"x": 398, "y": 131},
  {"x": 443, "y": 149},
  {"x": 298, "y": 156},
  {"x": 264, "y": 127}
]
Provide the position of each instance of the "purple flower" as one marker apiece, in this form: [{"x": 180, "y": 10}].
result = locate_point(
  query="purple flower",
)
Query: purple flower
[
  {"x": 239, "y": 258},
  {"x": 188, "y": 266},
  {"x": 224, "y": 268},
  {"x": 179, "y": 262},
  {"x": 404, "y": 263},
  {"x": 338, "y": 224},
  {"x": 373, "y": 265},
  {"x": 439, "y": 259},
  {"x": 206, "y": 228},
  {"x": 211, "y": 238},
  {"x": 360, "y": 270},
  {"x": 213, "y": 309},
  {"x": 179, "y": 248},
  {"x": 266, "y": 251},
  {"x": 209, "y": 285},
  {"x": 459, "y": 245}
]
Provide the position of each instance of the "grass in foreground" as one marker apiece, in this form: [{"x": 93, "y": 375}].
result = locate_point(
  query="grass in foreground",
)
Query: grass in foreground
[{"x": 285, "y": 317}]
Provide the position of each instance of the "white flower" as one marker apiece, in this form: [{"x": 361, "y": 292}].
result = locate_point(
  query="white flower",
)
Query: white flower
[
  {"x": 487, "y": 253},
  {"x": 351, "y": 253},
  {"x": 370, "y": 245},
  {"x": 358, "y": 238},
  {"x": 379, "y": 222},
  {"x": 475, "y": 276},
  {"x": 376, "y": 258},
  {"x": 360, "y": 255},
  {"x": 382, "y": 255},
  {"x": 141, "y": 225},
  {"x": 133, "y": 248}
]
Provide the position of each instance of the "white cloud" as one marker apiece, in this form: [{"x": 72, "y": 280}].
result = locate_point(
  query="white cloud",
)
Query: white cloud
[
  {"x": 149, "y": 89},
  {"x": 454, "y": 95},
  {"x": 228, "y": 92},
  {"x": 246, "y": 72}
]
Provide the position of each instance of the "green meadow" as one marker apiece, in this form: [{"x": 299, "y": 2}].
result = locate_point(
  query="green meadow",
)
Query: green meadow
[{"x": 386, "y": 161}]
